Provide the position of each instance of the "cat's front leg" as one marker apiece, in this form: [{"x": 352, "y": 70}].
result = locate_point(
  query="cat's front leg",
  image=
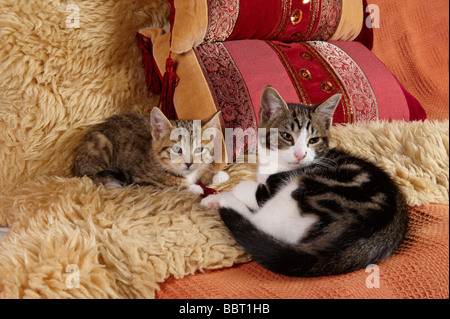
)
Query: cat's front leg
[
  {"x": 245, "y": 192},
  {"x": 228, "y": 200}
]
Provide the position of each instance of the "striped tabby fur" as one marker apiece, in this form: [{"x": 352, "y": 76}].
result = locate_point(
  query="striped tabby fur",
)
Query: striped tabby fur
[
  {"x": 317, "y": 211},
  {"x": 135, "y": 149}
]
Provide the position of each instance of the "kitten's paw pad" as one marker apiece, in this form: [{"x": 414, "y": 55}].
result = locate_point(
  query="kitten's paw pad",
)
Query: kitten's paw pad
[
  {"x": 221, "y": 177},
  {"x": 211, "y": 202},
  {"x": 196, "y": 189},
  {"x": 113, "y": 184}
]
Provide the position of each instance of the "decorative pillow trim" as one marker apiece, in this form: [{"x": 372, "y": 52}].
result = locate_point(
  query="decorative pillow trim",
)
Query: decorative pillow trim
[
  {"x": 392, "y": 101},
  {"x": 222, "y": 17},
  {"x": 330, "y": 18},
  {"x": 363, "y": 104}
]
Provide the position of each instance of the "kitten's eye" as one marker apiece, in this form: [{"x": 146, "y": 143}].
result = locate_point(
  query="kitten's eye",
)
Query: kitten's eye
[
  {"x": 177, "y": 150},
  {"x": 199, "y": 150},
  {"x": 314, "y": 140},
  {"x": 286, "y": 136}
]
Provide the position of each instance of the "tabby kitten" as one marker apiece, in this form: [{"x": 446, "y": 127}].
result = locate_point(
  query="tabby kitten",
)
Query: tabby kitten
[
  {"x": 314, "y": 210},
  {"x": 135, "y": 149}
]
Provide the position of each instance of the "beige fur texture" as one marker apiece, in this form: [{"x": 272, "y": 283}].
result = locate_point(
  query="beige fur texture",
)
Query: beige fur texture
[{"x": 72, "y": 239}]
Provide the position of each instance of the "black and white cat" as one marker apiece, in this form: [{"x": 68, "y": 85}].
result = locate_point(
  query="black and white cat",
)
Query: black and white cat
[{"x": 313, "y": 210}]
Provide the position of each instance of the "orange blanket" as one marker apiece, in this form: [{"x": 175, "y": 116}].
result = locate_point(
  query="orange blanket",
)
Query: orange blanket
[
  {"x": 418, "y": 270},
  {"x": 412, "y": 41}
]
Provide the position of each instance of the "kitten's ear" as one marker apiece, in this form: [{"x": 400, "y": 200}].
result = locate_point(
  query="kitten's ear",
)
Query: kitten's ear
[
  {"x": 271, "y": 104},
  {"x": 212, "y": 121},
  {"x": 159, "y": 123},
  {"x": 325, "y": 110}
]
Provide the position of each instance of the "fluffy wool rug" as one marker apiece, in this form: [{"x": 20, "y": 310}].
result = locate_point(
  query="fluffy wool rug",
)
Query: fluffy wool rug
[{"x": 66, "y": 65}]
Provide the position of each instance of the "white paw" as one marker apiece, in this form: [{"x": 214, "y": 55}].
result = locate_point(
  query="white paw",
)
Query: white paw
[
  {"x": 113, "y": 184},
  {"x": 211, "y": 202},
  {"x": 196, "y": 189},
  {"x": 221, "y": 177}
]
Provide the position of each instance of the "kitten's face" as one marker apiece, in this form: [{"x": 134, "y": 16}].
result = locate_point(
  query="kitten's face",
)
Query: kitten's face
[
  {"x": 182, "y": 157},
  {"x": 299, "y": 140},
  {"x": 302, "y": 131},
  {"x": 177, "y": 147}
]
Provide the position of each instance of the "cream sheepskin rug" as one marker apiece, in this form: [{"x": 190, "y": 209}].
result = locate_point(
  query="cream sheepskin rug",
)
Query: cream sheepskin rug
[{"x": 72, "y": 239}]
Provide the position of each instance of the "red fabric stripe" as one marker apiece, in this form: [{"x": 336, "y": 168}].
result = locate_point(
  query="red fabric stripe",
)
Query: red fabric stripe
[
  {"x": 271, "y": 19},
  {"x": 257, "y": 19}
]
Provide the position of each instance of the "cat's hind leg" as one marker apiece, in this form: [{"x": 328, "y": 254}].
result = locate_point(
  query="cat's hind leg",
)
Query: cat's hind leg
[
  {"x": 112, "y": 178},
  {"x": 93, "y": 159}
]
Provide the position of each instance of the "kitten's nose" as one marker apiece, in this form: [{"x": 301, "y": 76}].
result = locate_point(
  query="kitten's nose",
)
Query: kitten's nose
[
  {"x": 188, "y": 165},
  {"x": 299, "y": 156}
]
